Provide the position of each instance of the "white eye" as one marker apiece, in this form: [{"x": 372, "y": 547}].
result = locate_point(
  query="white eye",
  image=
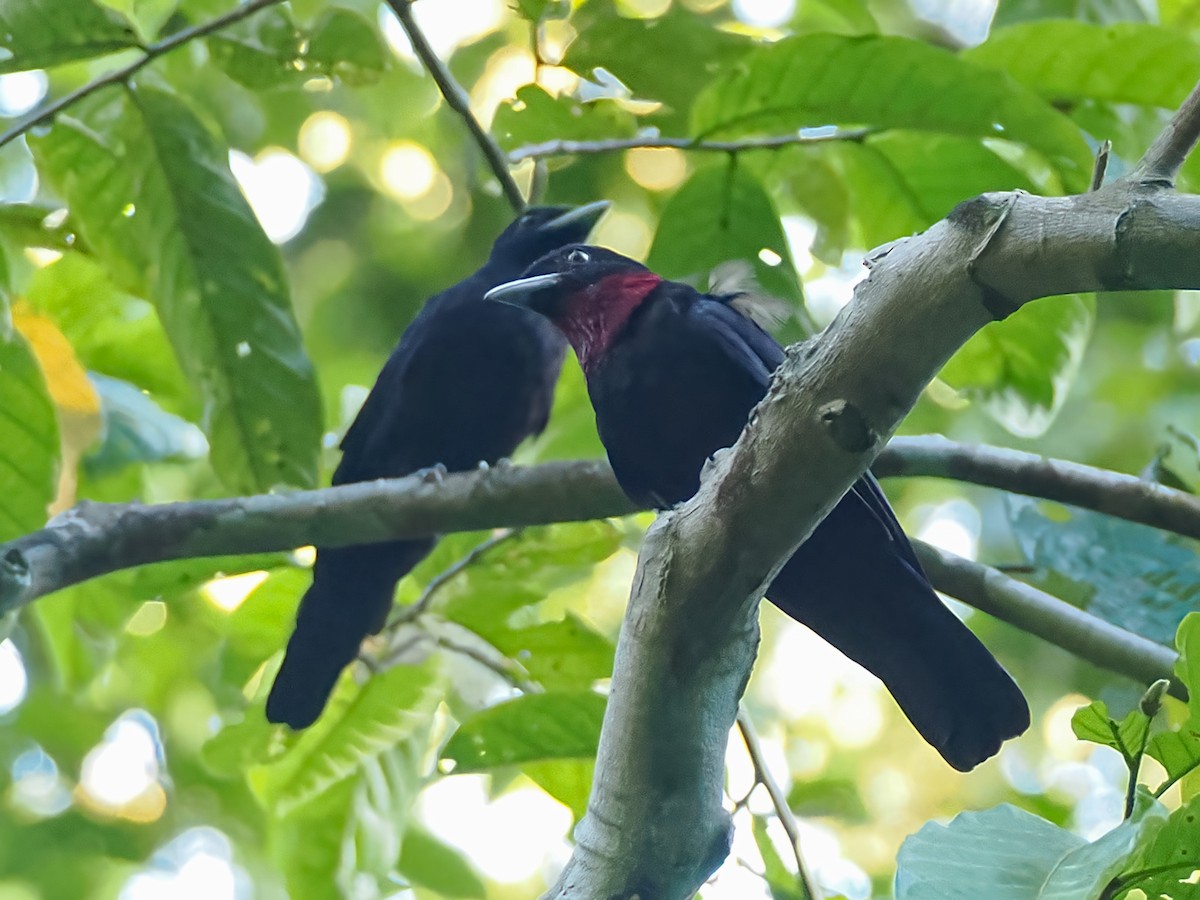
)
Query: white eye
[{"x": 578, "y": 256}]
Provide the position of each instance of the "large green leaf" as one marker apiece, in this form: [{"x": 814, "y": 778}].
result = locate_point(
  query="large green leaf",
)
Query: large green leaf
[
  {"x": 1130, "y": 574},
  {"x": 1021, "y": 369},
  {"x": 563, "y": 655},
  {"x": 1123, "y": 63},
  {"x": 426, "y": 861},
  {"x": 633, "y": 50},
  {"x": 1018, "y": 855},
  {"x": 29, "y": 451},
  {"x": 151, "y": 191},
  {"x": 534, "y": 117},
  {"x": 527, "y": 729},
  {"x": 345, "y": 46},
  {"x": 885, "y": 82},
  {"x": 1178, "y": 750},
  {"x": 723, "y": 213},
  {"x": 38, "y": 34},
  {"x": 360, "y": 724},
  {"x": 1164, "y": 867},
  {"x": 262, "y": 51}
]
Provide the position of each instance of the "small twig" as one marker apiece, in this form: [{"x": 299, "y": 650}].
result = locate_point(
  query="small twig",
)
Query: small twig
[
  {"x": 152, "y": 52},
  {"x": 508, "y": 673},
  {"x": 1101, "y": 165},
  {"x": 457, "y": 99},
  {"x": 439, "y": 581},
  {"x": 1162, "y": 161},
  {"x": 585, "y": 148},
  {"x": 810, "y": 889},
  {"x": 1135, "y": 766}
]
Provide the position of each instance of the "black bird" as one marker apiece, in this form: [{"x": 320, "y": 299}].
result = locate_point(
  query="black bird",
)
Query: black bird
[
  {"x": 466, "y": 384},
  {"x": 673, "y": 375}
]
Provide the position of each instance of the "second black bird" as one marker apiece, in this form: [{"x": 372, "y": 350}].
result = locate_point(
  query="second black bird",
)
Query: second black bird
[
  {"x": 673, "y": 375},
  {"x": 467, "y": 383}
]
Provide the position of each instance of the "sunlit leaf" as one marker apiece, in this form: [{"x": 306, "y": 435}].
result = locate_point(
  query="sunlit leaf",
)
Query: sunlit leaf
[
  {"x": 426, "y": 861},
  {"x": 723, "y": 213},
  {"x": 562, "y": 655},
  {"x": 38, "y": 34},
  {"x": 569, "y": 781},
  {"x": 783, "y": 883},
  {"x": 261, "y": 51},
  {"x": 1122, "y": 63},
  {"x": 1127, "y": 737},
  {"x": 535, "y": 117},
  {"x": 1021, "y": 369},
  {"x": 345, "y": 46},
  {"x": 529, "y": 728},
  {"x": 888, "y": 82},
  {"x": 152, "y": 193}
]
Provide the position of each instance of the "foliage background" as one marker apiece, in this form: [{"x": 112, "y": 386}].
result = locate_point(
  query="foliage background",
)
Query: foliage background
[{"x": 163, "y": 339}]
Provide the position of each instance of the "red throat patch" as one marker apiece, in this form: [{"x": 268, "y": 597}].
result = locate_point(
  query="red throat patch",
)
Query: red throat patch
[{"x": 595, "y": 315}]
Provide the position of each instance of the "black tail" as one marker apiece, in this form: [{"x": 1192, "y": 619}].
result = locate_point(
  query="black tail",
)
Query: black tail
[
  {"x": 350, "y": 598},
  {"x": 870, "y": 600}
]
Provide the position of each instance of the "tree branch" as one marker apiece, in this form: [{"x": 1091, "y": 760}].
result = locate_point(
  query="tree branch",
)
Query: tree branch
[
  {"x": 591, "y": 148},
  {"x": 1165, "y": 156},
  {"x": 1113, "y": 493},
  {"x": 151, "y": 53},
  {"x": 1088, "y": 637},
  {"x": 655, "y": 826},
  {"x": 456, "y": 98}
]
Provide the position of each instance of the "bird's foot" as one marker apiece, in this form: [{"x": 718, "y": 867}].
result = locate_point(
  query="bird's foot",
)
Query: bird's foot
[{"x": 432, "y": 474}]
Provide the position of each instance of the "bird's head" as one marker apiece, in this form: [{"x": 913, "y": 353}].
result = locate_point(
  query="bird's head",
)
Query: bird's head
[
  {"x": 588, "y": 292},
  {"x": 541, "y": 229}
]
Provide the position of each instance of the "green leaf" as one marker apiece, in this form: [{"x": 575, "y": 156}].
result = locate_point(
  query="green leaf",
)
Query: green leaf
[
  {"x": 723, "y": 213},
  {"x": 262, "y": 51},
  {"x": 783, "y": 883},
  {"x": 1021, "y": 369},
  {"x": 537, "y": 10},
  {"x": 1179, "y": 750},
  {"x": 359, "y": 725},
  {"x": 346, "y": 46},
  {"x": 534, "y": 117},
  {"x": 1009, "y": 12},
  {"x": 1187, "y": 667},
  {"x": 1164, "y": 867},
  {"x": 138, "y": 430},
  {"x": 529, "y": 728},
  {"x": 26, "y": 225},
  {"x": 564, "y": 655},
  {"x": 39, "y": 34},
  {"x": 632, "y": 49},
  {"x": 29, "y": 452},
  {"x": 1018, "y": 855},
  {"x": 837, "y": 797},
  {"x": 151, "y": 191},
  {"x": 883, "y": 205},
  {"x": 1092, "y": 723},
  {"x": 1122, "y": 63},
  {"x": 569, "y": 781},
  {"x": 429, "y": 863},
  {"x": 1132, "y": 575},
  {"x": 884, "y": 82}
]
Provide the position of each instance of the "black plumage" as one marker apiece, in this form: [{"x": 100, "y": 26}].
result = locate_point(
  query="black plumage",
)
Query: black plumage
[
  {"x": 673, "y": 375},
  {"x": 466, "y": 384}
]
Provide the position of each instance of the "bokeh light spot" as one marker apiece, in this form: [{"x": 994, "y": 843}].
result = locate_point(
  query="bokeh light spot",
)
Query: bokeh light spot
[{"x": 325, "y": 140}]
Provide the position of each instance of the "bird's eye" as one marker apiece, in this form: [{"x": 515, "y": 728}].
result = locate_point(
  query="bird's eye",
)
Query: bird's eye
[{"x": 577, "y": 256}]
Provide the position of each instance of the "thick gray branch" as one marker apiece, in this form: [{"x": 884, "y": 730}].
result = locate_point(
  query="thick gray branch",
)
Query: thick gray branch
[{"x": 689, "y": 637}]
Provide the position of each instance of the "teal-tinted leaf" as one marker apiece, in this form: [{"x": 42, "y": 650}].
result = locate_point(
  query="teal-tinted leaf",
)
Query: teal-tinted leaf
[
  {"x": 429, "y": 863},
  {"x": 529, "y": 728},
  {"x": 138, "y": 430},
  {"x": 345, "y": 46},
  {"x": 1130, "y": 574},
  {"x": 29, "y": 452},
  {"x": 535, "y": 117},
  {"x": 359, "y": 724},
  {"x": 723, "y": 213},
  {"x": 564, "y": 655},
  {"x": 1021, "y": 369},
  {"x": 151, "y": 191},
  {"x": 38, "y": 34},
  {"x": 1009, "y": 12},
  {"x": 1127, "y": 737},
  {"x": 632, "y": 49},
  {"x": 783, "y": 883},
  {"x": 1084, "y": 872},
  {"x": 262, "y": 51},
  {"x": 1011, "y": 851},
  {"x": 569, "y": 781},
  {"x": 1165, "y": 866},
  {"x": 1124, "y": 63},
  {"x": 887, "y": 82}
]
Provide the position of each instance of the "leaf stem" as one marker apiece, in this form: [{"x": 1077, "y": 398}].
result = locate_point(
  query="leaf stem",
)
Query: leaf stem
[{"x": 612, "y": 145}]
